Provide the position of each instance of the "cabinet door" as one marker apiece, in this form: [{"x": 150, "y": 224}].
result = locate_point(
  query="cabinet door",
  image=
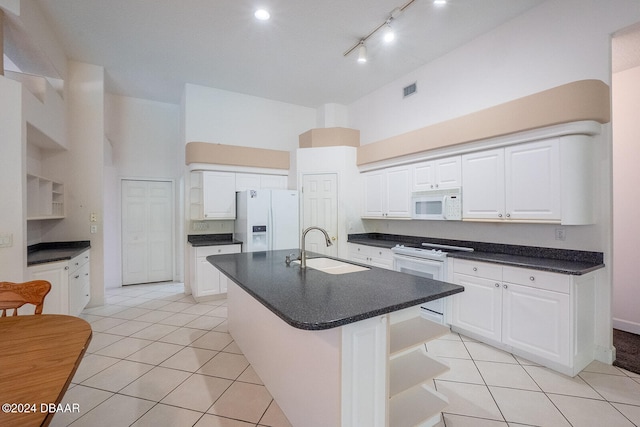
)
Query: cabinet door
[
  {"x": 273, "y": 182},
  {"x": 56, "y": 273},
  {"x": 537, "y": 321},
  {"x": 424, "y": 176},
  {"x": 479, "y": 308},
  {"x": 374, "y": 183},
  {"x": 448, "y": 172},
  {"x": 398, "y": 192},
  {"x": 219, "y": 195},
  {"x": 483, "y": 185},
  {"x": 207, "y": 279},
  {"x": 247, "y": 181},
  {"x": 532, "y": 181}
]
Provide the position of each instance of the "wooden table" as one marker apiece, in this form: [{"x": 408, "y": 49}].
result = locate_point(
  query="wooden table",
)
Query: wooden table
[{"x": 39, "y": 355}]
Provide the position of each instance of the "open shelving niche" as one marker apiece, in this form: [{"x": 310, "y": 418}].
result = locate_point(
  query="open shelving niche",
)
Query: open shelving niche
[
  {"x": 412, "y": 402},
  {"x": 45, "y": 198}
]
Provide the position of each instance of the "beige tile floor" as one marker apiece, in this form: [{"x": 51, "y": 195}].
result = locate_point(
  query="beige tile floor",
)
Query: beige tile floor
[{"x": 157, "y": 358}]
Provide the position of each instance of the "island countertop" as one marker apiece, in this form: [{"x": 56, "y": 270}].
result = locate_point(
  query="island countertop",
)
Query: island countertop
[{"x": 314, "y": 300}]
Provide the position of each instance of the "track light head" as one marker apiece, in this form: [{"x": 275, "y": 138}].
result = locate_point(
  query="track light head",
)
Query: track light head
[
  {"x": 362, "y": 53},
  {"x": 389, "y": 35}
]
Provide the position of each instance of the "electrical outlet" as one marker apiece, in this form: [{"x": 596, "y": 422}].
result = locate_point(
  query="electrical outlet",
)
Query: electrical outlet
[
  {"x": 94, "y": 229},
  {"x": 200, "y": 226},
  {"x": 93, "y": 217},
  {"x": 561, "y": 234}
]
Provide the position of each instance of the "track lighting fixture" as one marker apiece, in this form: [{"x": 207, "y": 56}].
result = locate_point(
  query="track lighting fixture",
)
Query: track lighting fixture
[
  {"x": 362, "y": 53},
  {"x": 388, "y": 33}
]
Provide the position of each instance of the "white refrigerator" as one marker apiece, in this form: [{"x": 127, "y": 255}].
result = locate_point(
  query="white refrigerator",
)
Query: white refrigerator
[{"x": 267, "y": 220}]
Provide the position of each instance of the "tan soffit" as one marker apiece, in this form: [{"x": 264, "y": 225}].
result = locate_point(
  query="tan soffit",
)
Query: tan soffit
[
  {"x": 576, "y": 101},
  {"x": 329, "y": 137},
  {"x": 219, "y": 154}
]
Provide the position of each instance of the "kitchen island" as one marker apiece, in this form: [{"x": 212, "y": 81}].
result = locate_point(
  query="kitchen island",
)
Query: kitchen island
[{"x": 336, "y": 349}]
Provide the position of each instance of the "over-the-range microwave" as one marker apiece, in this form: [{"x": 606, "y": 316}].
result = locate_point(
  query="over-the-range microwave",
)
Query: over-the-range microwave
[{"x": 443, "y": 204}]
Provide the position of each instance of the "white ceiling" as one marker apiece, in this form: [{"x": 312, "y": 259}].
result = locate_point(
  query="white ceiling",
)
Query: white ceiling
[{"x": 151, "y": 48}]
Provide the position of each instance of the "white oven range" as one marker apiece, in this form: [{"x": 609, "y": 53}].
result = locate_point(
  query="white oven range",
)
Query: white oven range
[{"x": 429, "y": 263}]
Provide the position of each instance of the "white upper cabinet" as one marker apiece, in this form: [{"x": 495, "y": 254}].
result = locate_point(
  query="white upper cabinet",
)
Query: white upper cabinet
[
  {"x": 387, "y": 193},
  {"x": 219, "y": 195},
  {"x": 212, "y": 195},
  {"x": 519, "y": 182},
  {"x": 436, "y": 174},
  {"x": 532, "y": 187},
  {"x": 483, "y": 184},
  {"x": 255, "y": 181}
]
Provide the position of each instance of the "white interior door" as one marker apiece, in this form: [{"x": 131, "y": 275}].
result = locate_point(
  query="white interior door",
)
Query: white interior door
[
  {"x": 320, "y": 208},
  {"x": 147, "y": 237}
]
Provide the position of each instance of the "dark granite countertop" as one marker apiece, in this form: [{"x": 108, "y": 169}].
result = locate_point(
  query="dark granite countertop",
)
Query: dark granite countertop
[
  {"x": 563, "y": 261},
  {"x": 42, "y": 253},
  {"x": 313, "y": 300},
  {"x": 212, "y": 239}
]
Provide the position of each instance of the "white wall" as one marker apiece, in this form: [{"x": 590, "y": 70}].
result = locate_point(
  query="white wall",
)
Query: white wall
[
  {"x": 550, "y": 45},
  {"x": 82, "y": 169},
  {"x": 13, "y": 261},
  {"x": 222, "y": 117},
  {"x": 143, "y": 141},
  {"x": 626, "y": 227},
  {"x": 555, "y": 43}
]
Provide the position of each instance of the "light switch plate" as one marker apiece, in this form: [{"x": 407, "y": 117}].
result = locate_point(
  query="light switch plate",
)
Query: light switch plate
[
  {"x": 6, "y": 240},
  {"x": 93, "y": 217}
]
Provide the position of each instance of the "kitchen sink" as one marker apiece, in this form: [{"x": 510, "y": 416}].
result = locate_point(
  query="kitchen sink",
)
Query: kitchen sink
[{"x": 332, "y": 266}]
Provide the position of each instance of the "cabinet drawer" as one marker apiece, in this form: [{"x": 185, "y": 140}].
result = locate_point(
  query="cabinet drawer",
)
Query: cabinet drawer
[
  {"x": 537, "y": 279},
  {"x": 204, "y": 251},
  {"x": 478, "y": 269},
  {"x": 78, "y": 261}
]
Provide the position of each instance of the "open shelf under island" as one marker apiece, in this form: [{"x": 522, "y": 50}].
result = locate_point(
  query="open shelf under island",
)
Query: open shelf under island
[{"x": 336, "y": 349}]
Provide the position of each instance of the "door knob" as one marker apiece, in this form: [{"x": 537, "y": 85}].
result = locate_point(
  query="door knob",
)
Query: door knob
[{"x": 334, "y": 239}]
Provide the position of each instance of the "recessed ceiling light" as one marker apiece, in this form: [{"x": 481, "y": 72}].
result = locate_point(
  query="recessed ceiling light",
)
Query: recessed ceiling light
[
  {"x": 262, "y": 14},
  {"x": 439, "y": 2}
]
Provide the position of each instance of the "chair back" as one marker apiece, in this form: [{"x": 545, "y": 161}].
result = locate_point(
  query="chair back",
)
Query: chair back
[{"x": 15, "y": 295}]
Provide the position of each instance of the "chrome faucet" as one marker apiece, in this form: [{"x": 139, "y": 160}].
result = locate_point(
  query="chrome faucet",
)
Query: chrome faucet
[{"x": 303, "y": 252}]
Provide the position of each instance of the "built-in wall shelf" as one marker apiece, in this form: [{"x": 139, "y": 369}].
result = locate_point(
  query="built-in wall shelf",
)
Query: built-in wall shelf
[
  {"x": 413, "y": 369},
  {"x": 413, "y": 332},
  {"x": 418, "y": 406},
  {"x": 45, "y": 198},
  {"x": 412, "y": 399}
]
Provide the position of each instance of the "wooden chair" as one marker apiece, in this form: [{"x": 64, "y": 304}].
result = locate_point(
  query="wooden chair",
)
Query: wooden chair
[{"x": 15, "y": 295}]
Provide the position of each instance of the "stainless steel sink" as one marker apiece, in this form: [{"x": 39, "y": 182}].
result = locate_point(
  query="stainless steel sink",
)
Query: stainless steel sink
[{"x": 333, "y": 266}]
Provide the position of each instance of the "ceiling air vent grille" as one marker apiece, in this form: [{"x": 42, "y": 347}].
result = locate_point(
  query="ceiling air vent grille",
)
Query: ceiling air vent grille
[{"x": 409, "y": 90}]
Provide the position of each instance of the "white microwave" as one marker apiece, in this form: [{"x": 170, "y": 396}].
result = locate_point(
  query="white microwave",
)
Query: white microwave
[{"x": 444, "y": 204}]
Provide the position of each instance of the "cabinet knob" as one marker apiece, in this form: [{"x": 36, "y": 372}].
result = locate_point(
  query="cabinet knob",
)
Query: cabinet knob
[
  {"x": 475, "y": 268},
  {"x": 67, "y": 267},
  {"x": 505, "y": 286},
  {"x": 497, "y": 285},
  {"x": 532, "y": 278},
  {"x": 499, "y": 215},
  {"x": 219, "y": 250},
  {"x": 508, "y": 215},
  {"x": 77, "y": 277}
]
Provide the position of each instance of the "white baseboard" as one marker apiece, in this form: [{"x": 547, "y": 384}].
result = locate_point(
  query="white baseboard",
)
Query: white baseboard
[
  {"x": 604, "y": 354},
  {"x": 626, "y": 325}
]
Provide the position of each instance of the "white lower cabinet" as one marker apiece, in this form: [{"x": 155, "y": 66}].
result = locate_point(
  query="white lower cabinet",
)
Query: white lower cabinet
[
  {"x": 371, "y": 255},
  {"x": 545, "y": 317},
  {"x": 206, "y": 280},
  {"x": 70, "y": 285}
]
